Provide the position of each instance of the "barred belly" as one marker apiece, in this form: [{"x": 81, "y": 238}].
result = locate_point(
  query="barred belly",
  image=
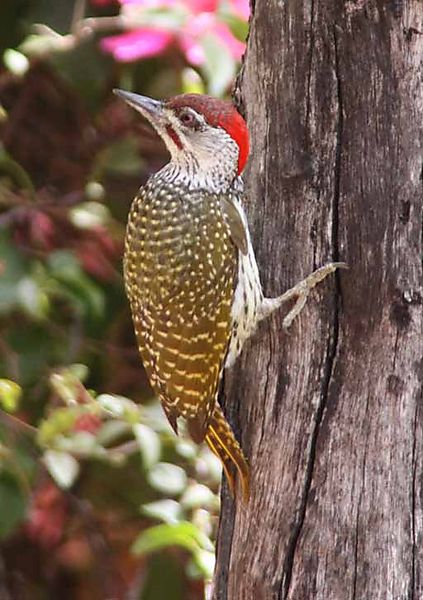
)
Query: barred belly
[{"x": 180, "y": 267}]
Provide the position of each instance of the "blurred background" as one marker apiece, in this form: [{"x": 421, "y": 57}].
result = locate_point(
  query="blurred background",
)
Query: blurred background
[{"x": 98, "y": 498}]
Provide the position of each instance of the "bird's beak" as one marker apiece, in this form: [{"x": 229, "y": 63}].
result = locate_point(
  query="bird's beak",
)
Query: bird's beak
[{"x": 151, "y": 109}]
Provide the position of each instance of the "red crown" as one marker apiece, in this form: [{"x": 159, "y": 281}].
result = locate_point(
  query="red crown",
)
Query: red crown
[{"x": 218, "y": 113}]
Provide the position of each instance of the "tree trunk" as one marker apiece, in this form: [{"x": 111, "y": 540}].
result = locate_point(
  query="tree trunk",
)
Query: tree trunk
[{"x": 331, "y": 416}]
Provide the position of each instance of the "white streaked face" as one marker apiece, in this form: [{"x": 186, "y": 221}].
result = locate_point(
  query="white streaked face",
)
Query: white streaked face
[
  {"x": 199, "y": 147},
  {"x": 201, "y": 155}
]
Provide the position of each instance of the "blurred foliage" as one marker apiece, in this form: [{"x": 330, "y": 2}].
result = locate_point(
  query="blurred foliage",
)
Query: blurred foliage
[{"x": 98, "y": 498}]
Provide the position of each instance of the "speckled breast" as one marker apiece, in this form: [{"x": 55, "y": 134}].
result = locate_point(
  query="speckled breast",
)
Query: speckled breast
[{"x": 179, "y": 266}]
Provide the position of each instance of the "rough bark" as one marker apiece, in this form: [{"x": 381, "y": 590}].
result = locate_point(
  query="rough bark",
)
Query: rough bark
[{"x": 331, "y": 416}]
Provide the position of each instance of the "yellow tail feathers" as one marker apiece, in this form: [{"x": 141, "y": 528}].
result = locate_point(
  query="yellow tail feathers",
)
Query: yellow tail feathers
[{"x": 222, "y": 443}]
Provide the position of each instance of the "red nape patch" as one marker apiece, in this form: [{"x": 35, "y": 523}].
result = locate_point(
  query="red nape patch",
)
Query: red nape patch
[
  {"x": 218, "y": 113},
  {"x": 174, "y": 136}
]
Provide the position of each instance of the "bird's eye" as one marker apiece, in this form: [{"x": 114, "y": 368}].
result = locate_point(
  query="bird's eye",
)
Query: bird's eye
[{"x": 187, "y": 118}]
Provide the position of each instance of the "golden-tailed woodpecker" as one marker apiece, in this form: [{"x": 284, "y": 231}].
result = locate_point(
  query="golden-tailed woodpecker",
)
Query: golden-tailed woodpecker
[{"x": 190, "y": 271}]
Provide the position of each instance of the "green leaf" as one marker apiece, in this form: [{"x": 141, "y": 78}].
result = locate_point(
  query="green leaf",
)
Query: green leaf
[
  {"x": 119, "y": 407},
  {"x": 211, "y": 466},
  {"x": 62, "y": 466},
  {"x": 153, "y": 416},
  {"x": 168, "y": 511},
  {"x": 36, "y": 348},
  {"x": 64, "y": 264},
  {"x": 238, "y": 26},
  {"x": 112, "y": 431},
  {"x": 219, "y": 66},
  {"x": 42, "y": 44},
  {"x": 10, "y": 394},
  {"x": 80, "y": 289},
  {"x": 12, "y": 168},
  {"x": 16, "y": 62},
  {"x": 186, "y": 448},
  {"x": 82, "y": 444},
  {"x": 12, "y": 504},
  {"x": 15, "y": 267},
  {"x": 32, "y": 298},
  {"x": 185, "y": 535},
  {"x": 149, "y": 444},
  {"x": 162, "y": 18},
  {"x": 89, "y": 214},
  {"x": 79, "y": 371},
  {"x": 191, "y": 82},
  {"x": 202, "y": 565},
  {"x": 95, "y": 192},
  {"x": 164, "y": 579},
  {"x": 197, "y": 496},
  {"x": 60, "y": 422},
  {"x": 167, "y": 478},
  {"x": 91, "y": 83},
  {"x": 66, "y": 385}
]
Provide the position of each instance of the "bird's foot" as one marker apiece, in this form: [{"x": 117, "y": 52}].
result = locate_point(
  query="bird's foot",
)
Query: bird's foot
[{"x": 301, "y": 290}]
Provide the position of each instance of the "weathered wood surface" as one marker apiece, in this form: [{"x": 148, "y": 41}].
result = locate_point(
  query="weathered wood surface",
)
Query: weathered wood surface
[{"x": 331, "y": 416}]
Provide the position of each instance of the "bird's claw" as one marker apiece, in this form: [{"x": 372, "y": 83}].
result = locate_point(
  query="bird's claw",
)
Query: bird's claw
[{"x": 302, "y": 289}]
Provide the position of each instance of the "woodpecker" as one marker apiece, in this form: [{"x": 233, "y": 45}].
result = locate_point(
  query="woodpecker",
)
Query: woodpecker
[{"x": 189, "y": 267}]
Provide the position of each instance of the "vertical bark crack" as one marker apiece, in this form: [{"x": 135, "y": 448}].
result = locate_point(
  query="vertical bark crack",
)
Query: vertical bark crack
[
  {"x": 421, "y": 240},
  {"x": 224, "y": 546},
  {"x": 310, "y": 62},
  {"x": 357, "y": 519},
  {"x": 355, "y": 570},
  {"x": 266, "y": 385},
  {"x": 413, "y": 506},
  {"x": 338, "y": 160},
  {"x": 331, "y": 352}
]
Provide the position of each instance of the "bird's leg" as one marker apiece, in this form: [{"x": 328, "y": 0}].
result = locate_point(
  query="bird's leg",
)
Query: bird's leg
[{"x": 300, "y": 291}]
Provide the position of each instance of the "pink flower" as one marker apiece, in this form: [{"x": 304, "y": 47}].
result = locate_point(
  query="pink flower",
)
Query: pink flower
[
  {"x": 241, "y": 8},
  {"x": 140, "y": 43},
  {"x": 197, "y": 27},
  {"x": 201, "y": 19},
  {"x": 202, "y": 5},
  {"x": 193, "y": 5}
]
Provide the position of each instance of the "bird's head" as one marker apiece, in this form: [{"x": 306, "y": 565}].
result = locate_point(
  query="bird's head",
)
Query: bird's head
[{"x": 207, "y": 138}]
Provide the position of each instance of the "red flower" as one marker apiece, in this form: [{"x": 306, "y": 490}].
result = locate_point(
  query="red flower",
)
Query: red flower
[
  {"x": 47, "y": 515},
  {"x": 89, "y": 423}
]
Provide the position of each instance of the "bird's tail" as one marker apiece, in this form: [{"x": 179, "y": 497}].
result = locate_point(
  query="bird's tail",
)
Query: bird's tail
[{"x": 221, "y": 441}]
